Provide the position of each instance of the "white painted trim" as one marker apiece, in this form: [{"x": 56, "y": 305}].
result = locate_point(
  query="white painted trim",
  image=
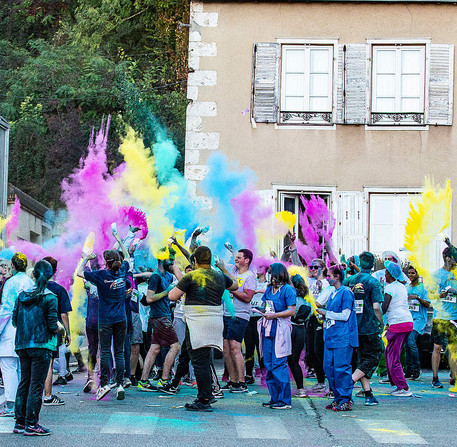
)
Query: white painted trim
[
  {"x": 302, "y": 188},
  {"x": 399, "y": 41},
  {"x": 392, "y": 189},
  {"x": 310, "y": 40}
]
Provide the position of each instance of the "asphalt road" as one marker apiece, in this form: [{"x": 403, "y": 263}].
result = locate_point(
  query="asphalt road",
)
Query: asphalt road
[{"x": 150, "y": 419}]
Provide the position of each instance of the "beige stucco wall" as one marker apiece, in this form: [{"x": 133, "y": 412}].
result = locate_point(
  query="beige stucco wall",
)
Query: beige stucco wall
[{"x": 350, "y": 157}]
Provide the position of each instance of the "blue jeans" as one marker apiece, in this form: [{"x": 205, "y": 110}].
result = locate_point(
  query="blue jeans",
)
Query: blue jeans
[{"x": 412, "y": 353}]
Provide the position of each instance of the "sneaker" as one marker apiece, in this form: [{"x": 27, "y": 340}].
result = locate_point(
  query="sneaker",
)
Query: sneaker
[
  {"x": 168, "y": 388},
  {"x": 402, "y": 393},
  {"x": 345, "y": 406},
  {"x": 89, "y": 386},
  {"x": 127, "y": 382},
  {"x": 60, "y": 381},
  {"x": 436, "y": 383},
  {"x": 227, "y": 386},
  {"x": 103, "y": 391},
  {"x": 194, "y": 384},
  {"x": 162, "y": 382},
  {"x": 18, "y": 428},
  {"x": 187, "y": 381},
  {"x": 330, "y": 395},
  {"x": 120, "y": 393},
  {"x": 36, "y": 430},
  {"x": 416, "y": 375},
  {"x": 407, "y": 374},
  {"x": 300, "y": 393},
  {"x": 280, "y": 406},
  {"x": 320, "y": 389},
  {"x": 198, "y": 406},
  {"x": 239, "y": 387},
  {"x": 53, "y": 401},
  {"x": 218, "y": 394},
  {"x": 385, "y": 380},
  {"x": 311, "y": 375},
  {"x": 69, "y": 377},
  {"x": 134, "y": 381},
  {"x": 371, "y": 401},
  {"x": 361, "y": 393},
  {"x": 249, "y": 380},
  {"x": 146, "y": 386},
  {"x": 6, "y": 412},
  {"x": 331, "y": 405},
  {"x": 268, "y": 404}
]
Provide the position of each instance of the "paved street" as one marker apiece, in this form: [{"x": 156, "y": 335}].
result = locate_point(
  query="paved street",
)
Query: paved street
[{"x": 150, "y": 419}]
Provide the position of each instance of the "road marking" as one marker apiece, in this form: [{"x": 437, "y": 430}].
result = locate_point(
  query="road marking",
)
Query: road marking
[
  {"x": 390, "y": 432},
  {"x": 6, "y": 425},
  {"x": 264, "y": 427},
  {"x": 131, "y": 424},
  {"x": 304, "y": 402}
]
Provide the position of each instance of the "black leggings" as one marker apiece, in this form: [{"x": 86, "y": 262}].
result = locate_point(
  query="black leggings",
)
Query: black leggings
[
  {"x": 251, "y": 343},
  {"x": 298, "y": 342},
  {"x": 315, "y": 347}
]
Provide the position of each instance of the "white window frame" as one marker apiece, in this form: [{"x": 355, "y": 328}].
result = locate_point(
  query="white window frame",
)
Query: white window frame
[
  {"x": 332, "y": 83},
  {"x": 398, "y": 42}
]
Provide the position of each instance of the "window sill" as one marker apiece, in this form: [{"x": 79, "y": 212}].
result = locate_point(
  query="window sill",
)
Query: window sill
[
  {"x": 306, "y": 126},
  {"x": 376, "y": 127}
]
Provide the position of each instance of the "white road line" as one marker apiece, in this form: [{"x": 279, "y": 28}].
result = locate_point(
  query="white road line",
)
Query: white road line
[
  {"x": 304, "y": 402},
  {"x": 264, "y": 427},
  {"x": 6, "y": 425},
  {"x": 130, "y": 424},
  {"x": 390, "y": 432}
]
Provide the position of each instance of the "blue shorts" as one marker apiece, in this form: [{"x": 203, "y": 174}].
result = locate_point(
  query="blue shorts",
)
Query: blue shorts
[{"x": 234, "y": 328}]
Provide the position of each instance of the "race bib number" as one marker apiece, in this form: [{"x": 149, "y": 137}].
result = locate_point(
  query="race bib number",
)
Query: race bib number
[
  {"x": 329, "y": 323},
  {"x": 414, "y": 306},
  {"x": 449, "y": 299},
  {"x": 359, "y": 306},
  {"x": 269, "y": 307}
]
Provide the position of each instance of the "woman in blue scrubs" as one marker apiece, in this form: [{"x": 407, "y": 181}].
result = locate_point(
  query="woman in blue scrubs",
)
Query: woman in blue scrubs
[
  {"x": 340, "y": 337},
  {"x": 275, "y": 332}
]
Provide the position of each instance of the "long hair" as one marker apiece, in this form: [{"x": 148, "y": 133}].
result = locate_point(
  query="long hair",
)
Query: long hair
[
  {"x": 112, "y": 260},
  {"x": 279, "y": 275},
  {"x": 300, "y": 285},
  {"x": 43, "y": 273}
]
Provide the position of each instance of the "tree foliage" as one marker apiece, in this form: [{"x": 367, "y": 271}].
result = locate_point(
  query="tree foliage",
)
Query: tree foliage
[{"x": 67, "y": 63}]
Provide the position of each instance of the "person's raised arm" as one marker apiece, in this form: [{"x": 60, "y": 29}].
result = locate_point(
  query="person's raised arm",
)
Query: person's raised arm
[
  {"x": 119, "y": 241},
  {"x": 185, "y": 253},
  {"x": 82, "y": 264}
]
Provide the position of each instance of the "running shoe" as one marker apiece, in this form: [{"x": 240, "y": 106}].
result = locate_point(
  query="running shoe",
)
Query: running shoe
[
  {"x": 249, "y": 380},
  {"x": 187, "y": 381},
  {"x": 219, "y": 394},
  {"x": 60, "y": 381},
  {"x": 361, "y": 393},
  {"x": 146, "y": 386},
  {"x": 300, "y": 393},
  {"x": 402, "y": 393},
  {"x": 103, "y": 391},
  {"x": 345, "y": 406},
  {"x": 127, "y": 382},
  {"x": 228, "y": 386},
  {"x": 371, "y": 401},
  {"x": 408, "y": 374},
  {"x": 415, "y": 375},
  {"x": 239, "y": 387},
  {"x": 69, "y": 377},
  {"x": 198, "y": 406},
  {"x": 120, "y": 393},
  {"x": 18, "y": 428},
  {"x": 436, "y": 383},
  {"x": 280, "y": 406},
  {"x": 36, "y": 430},
  {"x": 168, "y": 388},
  {"x": 6, "y": 412},
  {"x": 53, "y": 401},
  {"x": 89, "y": 386},
  {"x": 268, "y": 404},
  {"x": 162, "y": 382},
  {"x": 384, "y": 380},
  {"x": 320, "y": 389},
  {"x": 331, "y": 405}
]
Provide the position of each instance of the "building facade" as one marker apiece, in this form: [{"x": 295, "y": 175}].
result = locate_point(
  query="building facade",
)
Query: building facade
[{"x": 350, "y": 101}]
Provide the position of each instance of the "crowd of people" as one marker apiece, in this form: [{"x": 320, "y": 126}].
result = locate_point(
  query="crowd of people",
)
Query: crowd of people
[{"x": 337, "y": 323}]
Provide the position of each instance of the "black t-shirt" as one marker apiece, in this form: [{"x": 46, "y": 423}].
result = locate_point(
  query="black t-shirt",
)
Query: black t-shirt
[
  {"x": 204, "y": 287},
  {"x": 63, "y": 300}
]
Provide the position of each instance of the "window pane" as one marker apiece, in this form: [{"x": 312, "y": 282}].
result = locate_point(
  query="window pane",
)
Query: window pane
[
  {"x": 411, "y": 61},
  {"x": 294, "y": 85},
  {"x": 319, "y": 60},
  {"x": 385, "y": 105},
  {"x": 411, "y": 86},
  {"x": 385, "y": 61},
  {"x": 318, "y": 104},
  {"x": 293, "y": 104},
  {"x": 411, "y": 105},
  {"x": 295, "y": 60},
  {"x": 318, "y": 85},
  {"x": 385, "y": 85}
]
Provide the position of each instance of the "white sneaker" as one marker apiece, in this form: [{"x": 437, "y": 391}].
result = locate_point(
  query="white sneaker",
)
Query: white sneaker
[
  {"x": 103, "y": 391},
  {"x": 300, "y": 393},
  {"x": 402, "y": 393},
  {"x": 127, "y": 382},
  {"x": 120, "y": 393}
]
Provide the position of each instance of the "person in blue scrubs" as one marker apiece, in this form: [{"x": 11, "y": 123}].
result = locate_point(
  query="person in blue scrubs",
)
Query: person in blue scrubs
[
  {"x": 340, "y": 338},
  {"x": 275, "y": 330}
]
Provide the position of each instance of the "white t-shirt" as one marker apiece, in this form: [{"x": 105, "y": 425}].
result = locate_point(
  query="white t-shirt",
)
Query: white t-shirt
[
  {"x": 257, "y": 298},
  {"x": 316, "y": 286},
  {"x": 398, "y": 310}
]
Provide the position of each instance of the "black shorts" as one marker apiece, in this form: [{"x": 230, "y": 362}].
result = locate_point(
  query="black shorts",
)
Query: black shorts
[
  {"x": 368, "y": 353},
  {"x": 442, "y": 329},
  {"x": 234, "y": 328}
]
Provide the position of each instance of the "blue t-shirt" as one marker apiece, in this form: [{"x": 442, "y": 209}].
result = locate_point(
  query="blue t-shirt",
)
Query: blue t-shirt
[
  {"x": 92, "y": 306},
  {"x": 159, "y": 282},
  {"x": 445, "y": 310},
  {"x": 111, "y": 293},
  {"x": 280, "y": 301},
  {"x": 418, "y": 311},
  {"x": 340, "y": 334},
  {"x": 63, "y": 300}
]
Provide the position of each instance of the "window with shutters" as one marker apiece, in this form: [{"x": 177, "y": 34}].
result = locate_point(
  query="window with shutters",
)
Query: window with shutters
[
  {"x": 306, "y": 84},
  {"x": 398, "y": 85}
]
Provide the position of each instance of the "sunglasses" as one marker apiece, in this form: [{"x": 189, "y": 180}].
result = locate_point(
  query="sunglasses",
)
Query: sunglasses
[{"x": 314, "y": 267}]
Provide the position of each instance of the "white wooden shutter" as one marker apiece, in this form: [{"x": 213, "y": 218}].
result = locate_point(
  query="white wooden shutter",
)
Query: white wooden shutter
[
  {"x": 352, "y": 223},
  {"x": 265, "y": 82},
  {"x": 356, "y": 84},
  {"x": 339, "y": 83},
  {"x": 441, "y": 84}
]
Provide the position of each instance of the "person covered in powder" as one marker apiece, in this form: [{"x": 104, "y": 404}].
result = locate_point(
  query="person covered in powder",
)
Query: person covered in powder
[
  {"x": 235, "y": 325},
  {"x": 9, "y": 361},
  {"x": 380, "y": 275},
  {"x": 35, "y": 316},
  {"x": 203, "y": 312}
]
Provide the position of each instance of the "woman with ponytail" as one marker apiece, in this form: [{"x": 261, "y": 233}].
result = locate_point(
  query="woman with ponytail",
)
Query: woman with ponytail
[
  {"x": 112, "y": 319},
  {"x": 35, "y": 318},
  {"x": 275, "y": 330}
]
